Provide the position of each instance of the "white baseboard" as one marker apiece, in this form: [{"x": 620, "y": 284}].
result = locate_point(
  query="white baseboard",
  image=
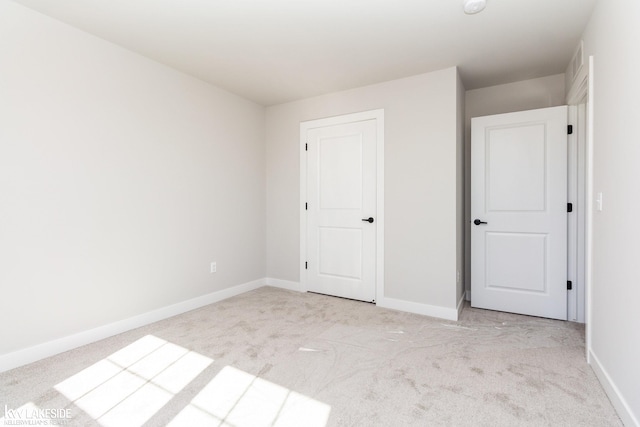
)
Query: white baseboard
[
  {"x": 32, "y": 354},
  {"x": 51, "y": 348},
  {"x": 284, "y": 284},
  {"x": 468, "y": 296},
  {"x": 617, "y": 400},
  {"x": 417, "y": 308}
]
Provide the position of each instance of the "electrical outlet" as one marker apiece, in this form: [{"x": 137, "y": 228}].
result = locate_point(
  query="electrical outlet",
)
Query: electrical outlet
[{"x": 213, "y": 267}]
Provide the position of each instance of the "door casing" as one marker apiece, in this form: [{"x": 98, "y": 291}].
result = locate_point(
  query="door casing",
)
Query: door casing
[
  {"x": 378, "y": 116},
  {"x": 581, "y": 93}
]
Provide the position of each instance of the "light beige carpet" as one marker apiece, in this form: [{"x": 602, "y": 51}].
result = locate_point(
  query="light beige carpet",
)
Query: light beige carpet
[{"x": 275, "y": 357}]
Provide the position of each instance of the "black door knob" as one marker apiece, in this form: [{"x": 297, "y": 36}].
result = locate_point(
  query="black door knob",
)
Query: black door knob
[
  {"x": 369, "y": 220},
  {"x": 478, "y": 222}
]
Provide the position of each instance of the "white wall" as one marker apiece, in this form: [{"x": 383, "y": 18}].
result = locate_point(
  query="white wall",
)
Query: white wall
[
  {"x": 420, "y": 182},
  {"x": 519, "y": 96},
  {"x": 120, "y": 181},
  {"x": 612, "y": 38}
]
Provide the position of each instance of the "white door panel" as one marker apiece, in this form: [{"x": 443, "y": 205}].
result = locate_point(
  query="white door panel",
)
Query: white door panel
[
  {"x": 516, "y": 168},
  {"x": 526, "y": 270},
  {"x": 341, "y": 192},
  {"x": 340, "y": 252},
  {"x": 519, "y": 188}
]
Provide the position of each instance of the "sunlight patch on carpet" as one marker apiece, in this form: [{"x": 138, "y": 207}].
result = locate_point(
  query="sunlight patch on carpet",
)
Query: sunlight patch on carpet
[
  {"x": 236, "y": 398},
  {"x": 131, "y": 385}
]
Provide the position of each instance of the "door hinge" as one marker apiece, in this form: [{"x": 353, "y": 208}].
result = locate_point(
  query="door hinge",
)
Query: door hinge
[
  {"x": 569, "y": 285},
  {"x": 569, "y": 207},
  {"x": 305, "y": 265},
  {"x": 306, "y": 206},
  {"x": 570, "y": 129},
  {"x": 306, "y": 147}
]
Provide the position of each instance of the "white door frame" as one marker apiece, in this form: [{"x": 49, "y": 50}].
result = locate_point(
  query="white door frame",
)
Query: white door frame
[
  {"x": 577, "y": 146},
  {"x": 581, "y": 91},
  {"x": 378, "y": 116}
]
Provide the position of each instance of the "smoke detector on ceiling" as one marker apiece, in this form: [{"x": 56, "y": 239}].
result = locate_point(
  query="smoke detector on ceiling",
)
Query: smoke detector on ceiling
[{"x": 474, "y": 6}]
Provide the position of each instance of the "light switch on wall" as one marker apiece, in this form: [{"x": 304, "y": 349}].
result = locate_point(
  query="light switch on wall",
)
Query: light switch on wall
[{"x": 599, "y": 202}]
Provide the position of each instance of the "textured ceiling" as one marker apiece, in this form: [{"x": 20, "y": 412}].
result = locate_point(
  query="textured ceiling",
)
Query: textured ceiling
[{"x": 273, "y": 51}]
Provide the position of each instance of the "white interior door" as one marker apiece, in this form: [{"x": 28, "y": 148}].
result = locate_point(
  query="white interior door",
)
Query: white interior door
[
  {"x": 519, "y": 212},
  {"x": 341, "y": 210}
]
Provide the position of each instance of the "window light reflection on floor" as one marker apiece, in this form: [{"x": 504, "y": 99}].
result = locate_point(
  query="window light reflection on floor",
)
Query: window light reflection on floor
[
  {"x": 131, "y": 385},
  {"x": 236, "y": 398}
]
